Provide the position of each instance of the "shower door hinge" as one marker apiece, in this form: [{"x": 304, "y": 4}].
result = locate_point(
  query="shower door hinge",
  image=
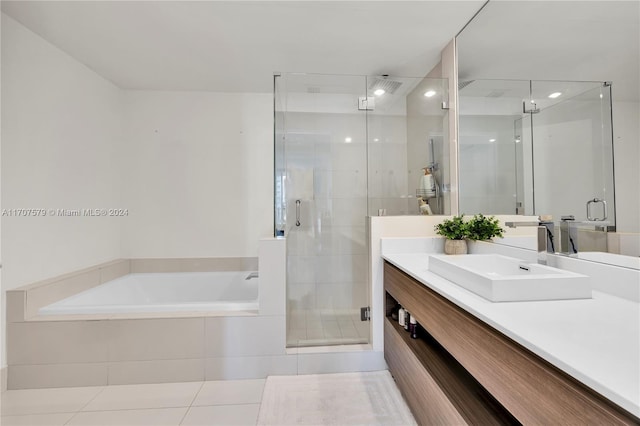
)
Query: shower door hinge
[
  {"x": 365, "y": 313},
  {"x": 366, "y": 103},
  {"x": 533, "y": 110}
]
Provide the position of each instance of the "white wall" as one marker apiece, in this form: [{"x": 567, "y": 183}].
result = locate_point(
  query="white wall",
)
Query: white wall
[
  {"x": 61, "y": 138},
  {"x": 626, "y": 149},
  {"x": 198, "y": 172}
]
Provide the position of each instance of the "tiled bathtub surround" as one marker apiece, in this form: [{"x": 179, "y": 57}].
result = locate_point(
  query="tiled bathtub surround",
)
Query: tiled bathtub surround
[
  {"x": 159, "y": 350},
  {"x": 90, "y": 353},
  {"x": 194, "y": 346},
  {"x": 25, "y": 301}
]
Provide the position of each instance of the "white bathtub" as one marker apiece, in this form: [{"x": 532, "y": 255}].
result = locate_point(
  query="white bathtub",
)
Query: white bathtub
[{"x": 164, "y": 292}]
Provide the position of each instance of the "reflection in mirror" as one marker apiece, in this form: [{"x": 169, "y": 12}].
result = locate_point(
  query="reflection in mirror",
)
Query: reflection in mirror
[
  {"x": 489, "y": 111},
  {"x": 351, "y": 146},
  {"x": 534, "y": 142}
]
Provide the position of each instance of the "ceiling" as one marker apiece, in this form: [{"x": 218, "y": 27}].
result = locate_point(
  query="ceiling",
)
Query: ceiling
[
  {"x": 555, "y": 40},
  {"x": 236, "y": 46}
]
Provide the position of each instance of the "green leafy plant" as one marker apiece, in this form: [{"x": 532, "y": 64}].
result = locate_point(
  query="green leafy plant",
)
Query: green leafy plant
[
  {"x": 481, "y": 228},
  {"x": 478, "y": 228},
  {"x": 454, "y": 229}
]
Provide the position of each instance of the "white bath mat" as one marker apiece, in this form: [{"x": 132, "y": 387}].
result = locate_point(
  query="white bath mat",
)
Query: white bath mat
[{"x": 333, "y": 399}]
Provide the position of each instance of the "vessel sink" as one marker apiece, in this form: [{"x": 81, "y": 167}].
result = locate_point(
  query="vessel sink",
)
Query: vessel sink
[{"x": 507, "y": 279}]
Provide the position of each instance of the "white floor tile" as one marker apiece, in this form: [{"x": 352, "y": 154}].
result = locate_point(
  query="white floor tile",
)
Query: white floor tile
[
  {"x": 55, "y": 419},
  {"x": 40, "y": 401},
  {"x": 228, "y": 415},
  {"x": 151, "y": 417},
  {"x": 230, "y": 392},
  {"x": 163, "y": 395}
]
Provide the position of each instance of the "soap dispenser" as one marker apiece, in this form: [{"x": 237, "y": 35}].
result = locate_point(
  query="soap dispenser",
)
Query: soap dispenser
[{"x": 425, "y": 209}]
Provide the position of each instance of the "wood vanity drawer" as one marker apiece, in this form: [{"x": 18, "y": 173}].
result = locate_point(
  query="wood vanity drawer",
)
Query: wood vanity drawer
[
  {"x": 417, "y": 384},
  {"x": 530, "y": 388}
]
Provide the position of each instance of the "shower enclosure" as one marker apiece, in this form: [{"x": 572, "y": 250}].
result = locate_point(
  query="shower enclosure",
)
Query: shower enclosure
[
  {"x": 539, "y": 148},
  {"x": 346, "y": 147}
]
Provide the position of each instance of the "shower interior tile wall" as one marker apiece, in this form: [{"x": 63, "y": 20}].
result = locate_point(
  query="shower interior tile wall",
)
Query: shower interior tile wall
[
  {"x": 487, "y": 169},
  {"x": 327, "y": 253},
  {"x": 387, "y": 161}
]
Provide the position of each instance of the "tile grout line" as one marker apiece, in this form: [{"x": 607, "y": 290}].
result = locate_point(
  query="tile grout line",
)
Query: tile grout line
[
  {"x": 264, "y": 387},
  {"x": 85, "y": 405},
  {"x": 130, "y": 409},
  {"x": 192, "y": 400}
]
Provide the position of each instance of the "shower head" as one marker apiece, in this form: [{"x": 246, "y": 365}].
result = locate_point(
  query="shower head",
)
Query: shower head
[
  {"x": 384, "y": 83},
  {"x": 463, "y": 84}
]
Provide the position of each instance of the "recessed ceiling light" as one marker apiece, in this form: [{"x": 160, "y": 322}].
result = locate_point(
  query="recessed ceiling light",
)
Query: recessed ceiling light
[
  {"x": 379, "y": 92},
  {"x": 492, "y": 140},
  {"x": 347, "y": 140},
  {"x": 429, "y": 93},
  {"x": 376, "y": 140},
  {"x": 555, "y": 95}
]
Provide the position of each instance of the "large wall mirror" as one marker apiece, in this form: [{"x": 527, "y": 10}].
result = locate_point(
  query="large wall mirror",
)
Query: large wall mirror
[{"x": 548, "y": 115}]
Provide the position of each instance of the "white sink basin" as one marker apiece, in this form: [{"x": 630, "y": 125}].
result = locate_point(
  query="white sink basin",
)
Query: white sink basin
[{"x": 507, "y": 279}]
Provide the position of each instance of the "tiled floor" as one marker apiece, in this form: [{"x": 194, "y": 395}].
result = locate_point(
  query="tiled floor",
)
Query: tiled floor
[
  {"x": 233, "y": 402},
  {"x": 313, "y": 327}
]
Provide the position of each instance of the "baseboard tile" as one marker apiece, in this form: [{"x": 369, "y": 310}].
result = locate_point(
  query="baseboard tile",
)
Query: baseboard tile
[{"x": 3, "y": 378}]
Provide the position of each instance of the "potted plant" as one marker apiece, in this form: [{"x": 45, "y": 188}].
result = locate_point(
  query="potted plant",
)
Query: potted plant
[
  {"x": 481, "y": 228},
  {"x": 455, "y": 231}
]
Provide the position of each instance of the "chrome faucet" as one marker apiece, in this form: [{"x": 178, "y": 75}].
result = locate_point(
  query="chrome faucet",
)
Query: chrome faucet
[{"x": 545, "y": 237}]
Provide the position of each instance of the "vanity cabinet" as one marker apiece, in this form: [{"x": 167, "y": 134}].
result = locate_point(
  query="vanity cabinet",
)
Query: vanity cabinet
[{"x": 462, "y": 371}]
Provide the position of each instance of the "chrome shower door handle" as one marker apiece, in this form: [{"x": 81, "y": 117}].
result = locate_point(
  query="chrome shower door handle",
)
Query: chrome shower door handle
[
  {"x": 298, "y": 212},
  {"x": 594, "y": 201}
]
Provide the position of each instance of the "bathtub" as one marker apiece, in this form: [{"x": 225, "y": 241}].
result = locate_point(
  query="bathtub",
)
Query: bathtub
[{"x": 164, "y": 292}]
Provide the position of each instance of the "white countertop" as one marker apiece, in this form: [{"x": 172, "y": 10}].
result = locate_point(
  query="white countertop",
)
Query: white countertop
[{"x": 596, "y": 341}]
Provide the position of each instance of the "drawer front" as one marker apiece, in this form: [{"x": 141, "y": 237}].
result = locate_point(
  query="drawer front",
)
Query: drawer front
[{"x": 428, "y": 403}]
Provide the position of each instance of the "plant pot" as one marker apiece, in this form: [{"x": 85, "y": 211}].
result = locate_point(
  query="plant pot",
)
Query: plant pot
[{"x": 455, "y": 246}]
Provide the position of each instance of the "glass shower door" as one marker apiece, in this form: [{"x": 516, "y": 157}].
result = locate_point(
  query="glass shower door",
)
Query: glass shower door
[
  {"x": 321, "y": 206},
  {"x": 573, "y": 148}
]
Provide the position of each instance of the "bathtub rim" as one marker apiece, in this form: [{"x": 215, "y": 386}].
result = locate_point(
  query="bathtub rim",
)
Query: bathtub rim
[
  {"x": 23, "y": 302},
  {"x": 141, "y": 282}
]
